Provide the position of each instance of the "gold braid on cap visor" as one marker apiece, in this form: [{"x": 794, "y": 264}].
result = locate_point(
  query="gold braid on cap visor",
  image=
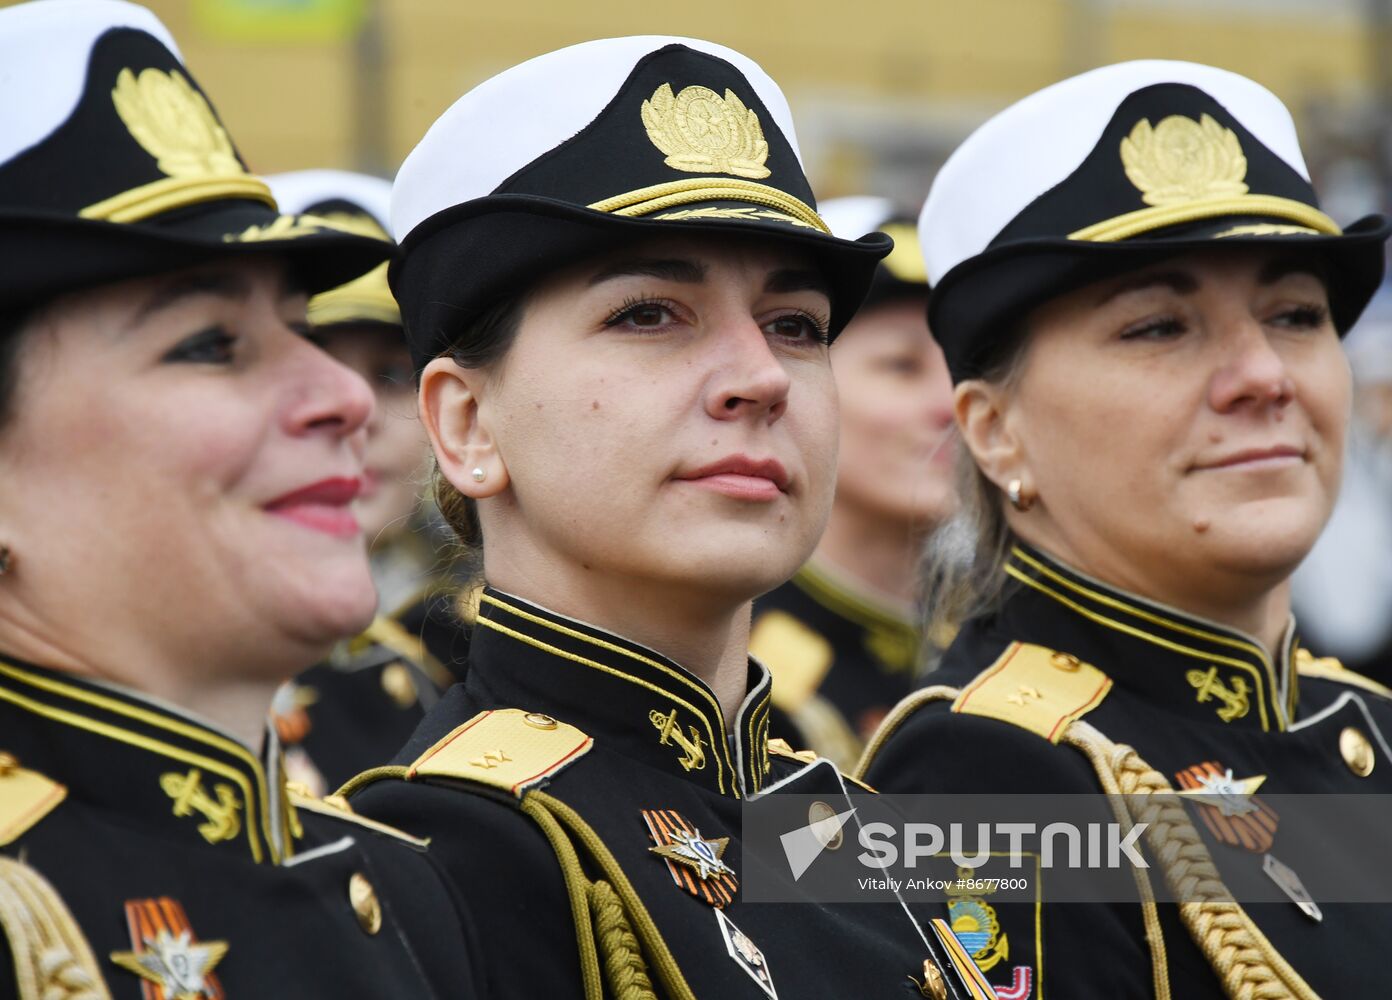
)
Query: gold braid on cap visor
[
  {"x": 777, "y": 205},
  {"x": 170, "y": 193},
  {"x": 1129, "y": 224}
]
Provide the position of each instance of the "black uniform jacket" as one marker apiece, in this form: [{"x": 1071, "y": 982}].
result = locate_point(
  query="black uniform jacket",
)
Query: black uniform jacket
[
  {"x": 1196, "y": 700},
  {"x": 840, "y": 660},
  {"x": 357, "y": 708},
  {"x": 544, "y": 780},
  {"x": 169, "y": 847}
]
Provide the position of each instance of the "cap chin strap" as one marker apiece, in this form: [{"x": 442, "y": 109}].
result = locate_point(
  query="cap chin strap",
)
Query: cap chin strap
[
  {"x": 776, "y": 204},
  {"x": 1130, "y": 224}
]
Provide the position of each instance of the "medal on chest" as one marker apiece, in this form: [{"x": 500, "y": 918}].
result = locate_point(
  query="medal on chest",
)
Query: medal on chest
[{"x": 694, "y": 861}]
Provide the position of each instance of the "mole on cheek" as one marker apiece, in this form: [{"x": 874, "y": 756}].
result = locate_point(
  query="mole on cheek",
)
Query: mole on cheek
[{"x": 594, "y": 404}]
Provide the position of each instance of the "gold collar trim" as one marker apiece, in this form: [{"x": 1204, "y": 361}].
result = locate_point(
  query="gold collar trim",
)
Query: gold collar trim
[
  {"x": 1129, "y": 224},
  {"x": 650, "y": 672},
  {"x": 249, "y": 776},
  {"x": 1099, "y": 602},
  {"x": 659, "y": 197}
]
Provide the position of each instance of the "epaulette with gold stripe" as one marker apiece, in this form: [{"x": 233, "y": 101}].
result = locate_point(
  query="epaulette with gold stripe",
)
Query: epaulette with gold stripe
[
  {"x": 1330, "y": 669},
  {"x": 1035, "y": 688},
  {"x": 25, "y": 798},
  {"x": 52, "y": 957}
]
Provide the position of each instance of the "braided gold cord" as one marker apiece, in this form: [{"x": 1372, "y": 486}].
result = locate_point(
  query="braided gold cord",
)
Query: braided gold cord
[
  {"x": 1248, "y": 965},
  {"x": 624, "y": 968},
  {"x": 52, "y": 959}
]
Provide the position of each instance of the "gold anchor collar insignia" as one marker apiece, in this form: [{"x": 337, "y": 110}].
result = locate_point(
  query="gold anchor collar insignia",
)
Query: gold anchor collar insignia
[
  {"x": 218, "y": 805},
  {"x": 696, "y": 863},
  {"x": 1232, "y": 695},
  {"x": 702, "y": 133},
  {"x": 669, "y": 734},
  {"x": 166, "y": 954}
]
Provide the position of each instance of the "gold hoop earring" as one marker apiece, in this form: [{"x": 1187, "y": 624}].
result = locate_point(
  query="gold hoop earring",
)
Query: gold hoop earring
[{"x": 1015, "y": 490}]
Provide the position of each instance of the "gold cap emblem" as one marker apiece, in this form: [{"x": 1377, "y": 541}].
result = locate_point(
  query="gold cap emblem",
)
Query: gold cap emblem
[
  {"x": 703, "y": 133},
  {"x": 1182, "y": 160},
  {"x": 174, "y": 124}
]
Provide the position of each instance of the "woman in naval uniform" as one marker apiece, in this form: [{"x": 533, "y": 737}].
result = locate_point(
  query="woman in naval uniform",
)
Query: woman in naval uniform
[
  {"x": 175, "y": 541},
  {"x": 360, "y": 705},
  {"x": 1141, "y": 304},
  {"x": 620, "y": 295},
  {"x": 842, "y": 637}
]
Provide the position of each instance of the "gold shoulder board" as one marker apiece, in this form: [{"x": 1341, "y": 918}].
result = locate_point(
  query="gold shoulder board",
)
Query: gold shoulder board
[
  {"x": 506, "y": 748},
  {"x": 52, "y": 957},
  {"x": 1329, "y": 668},
  {"x": 796, "y": 655},
  {"x": 1038, "y": 689},
  {"x": 25, "y": 798}
]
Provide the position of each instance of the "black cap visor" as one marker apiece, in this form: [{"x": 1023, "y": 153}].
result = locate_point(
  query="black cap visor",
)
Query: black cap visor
[
  {"x": 46, "y": 255},
  {"x": 462, "y": 261},
  {"x": 977, "y": 306}
]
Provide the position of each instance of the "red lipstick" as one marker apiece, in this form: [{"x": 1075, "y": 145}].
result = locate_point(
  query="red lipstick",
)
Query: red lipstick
[{"x": 322, "y": 506}]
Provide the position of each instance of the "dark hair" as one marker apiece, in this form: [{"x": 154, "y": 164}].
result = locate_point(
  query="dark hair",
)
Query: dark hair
[
  {"x": 12, "y": 324},
  {"x": 483, "y": 344}
]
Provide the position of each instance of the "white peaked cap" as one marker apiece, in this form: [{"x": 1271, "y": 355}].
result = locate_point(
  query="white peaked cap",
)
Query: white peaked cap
[
  {"x": 1038, "y": 142},
  {"x": 508, "y": 121},
  {"x": 853, "y": 216},
  {"x": 44, "y": 48},
  {"x": 299, "y": 190}
]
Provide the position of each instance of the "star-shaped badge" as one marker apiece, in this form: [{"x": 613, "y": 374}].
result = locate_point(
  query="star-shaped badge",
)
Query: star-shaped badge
[
  {"x": 175, "y": 963},
  {"x": 697, "y": 853}
]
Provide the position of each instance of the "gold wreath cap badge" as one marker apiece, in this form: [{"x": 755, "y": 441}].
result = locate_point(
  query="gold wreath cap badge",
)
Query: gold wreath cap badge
[
  {"x": 173, "y": 123},
  {"x": 1182, "y": 160},
  {"x": 702, "y": 133}
]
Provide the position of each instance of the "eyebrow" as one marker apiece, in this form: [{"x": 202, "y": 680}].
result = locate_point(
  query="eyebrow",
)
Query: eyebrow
[
  {"x": 1180, "y": 281},
  {"x": 1277, "y": 269},
  {"x": 222, "y": 284},
  {"x": 797, "y": 280},
  {"x": 685, "y": 271}
]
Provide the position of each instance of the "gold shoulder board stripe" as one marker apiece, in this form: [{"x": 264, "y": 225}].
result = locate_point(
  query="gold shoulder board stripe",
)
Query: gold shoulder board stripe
[
  {"x": 52, "y": 957},
  {"x": 506, "y": 748},
  {"x": 25, "y": 798},
  {"x": 1035, "y": 688},
  {"x": 1329, "y": 668}
]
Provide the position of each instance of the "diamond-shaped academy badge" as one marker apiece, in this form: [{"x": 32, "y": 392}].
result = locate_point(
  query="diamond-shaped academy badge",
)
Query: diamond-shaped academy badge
[{"x": 694, "y": 862}]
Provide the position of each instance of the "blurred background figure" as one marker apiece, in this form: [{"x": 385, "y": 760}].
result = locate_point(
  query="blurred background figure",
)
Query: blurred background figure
[
  {"x": 842, "y": 637},
  {"x": 358, "y": 707},
  {"x": 1343, "y": 591}
]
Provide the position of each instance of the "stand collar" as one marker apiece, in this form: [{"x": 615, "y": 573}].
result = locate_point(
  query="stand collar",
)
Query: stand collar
[
  {"x": 631, "y": 698},
  {"x": 147, "y": 759},
  {"x": 1188, "y": 664}
]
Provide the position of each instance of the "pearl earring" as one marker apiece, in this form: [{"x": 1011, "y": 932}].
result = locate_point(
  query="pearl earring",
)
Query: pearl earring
[
  {"x": 1015, "y": 490},
  {"x": 479, "y": 475}
]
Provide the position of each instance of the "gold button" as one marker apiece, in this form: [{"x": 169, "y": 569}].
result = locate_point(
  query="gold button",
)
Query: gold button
[
  {"x": 365, "y": 905},
  {"x": 1357, "y": 752},
  {"x": 538, "y": 721},
  {"x": 8, "y": 762},
  {"x": 396, "y": 681},
  {"x": 820, "y": 812},
  {"x": 1065, "y": 661},
  {"x": 933, "y": 985}
]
